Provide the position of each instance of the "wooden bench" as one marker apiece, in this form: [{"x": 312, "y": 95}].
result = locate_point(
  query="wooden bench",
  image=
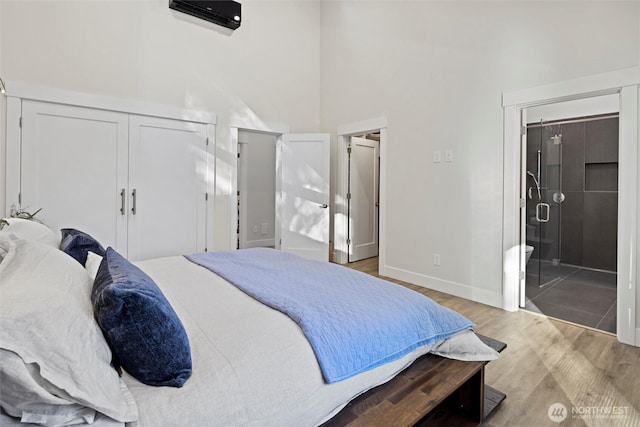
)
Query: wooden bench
[{"x": 432, "y": 391}]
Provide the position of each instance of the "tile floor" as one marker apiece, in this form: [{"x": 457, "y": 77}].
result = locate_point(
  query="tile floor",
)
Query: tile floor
[{"x": 578, "y": 295}]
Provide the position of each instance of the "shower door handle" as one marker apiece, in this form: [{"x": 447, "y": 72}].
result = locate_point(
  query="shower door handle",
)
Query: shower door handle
[{"x": 542, "y": 208}]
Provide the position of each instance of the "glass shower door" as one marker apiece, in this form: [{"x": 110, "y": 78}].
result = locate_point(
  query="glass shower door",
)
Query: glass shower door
[{"x": 544, "y": 203}]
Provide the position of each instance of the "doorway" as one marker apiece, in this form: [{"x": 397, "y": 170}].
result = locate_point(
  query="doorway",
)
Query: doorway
[
  {"x": 363, "y": 196},
  {"x": 571, "y": 221},
  {"x": 624, "y": 84},
  {"x": 256, "y": 200},
  {"x": 301, "y": 191},
  {"x": 341, "y": 249}
]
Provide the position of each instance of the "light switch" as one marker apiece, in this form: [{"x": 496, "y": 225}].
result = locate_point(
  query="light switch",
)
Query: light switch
[{"x": 437, "y": 156}]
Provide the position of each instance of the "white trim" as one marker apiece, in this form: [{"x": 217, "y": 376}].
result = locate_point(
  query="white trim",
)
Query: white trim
[
  {"x": 628, "y": 163},
  {"x": 362, "y": 127},
  {"x": 511, "y": 220},
  {"x": 233, "y": 187},
  {"x": 103, "y": 102},
  {"x": 340, "y": 226},
  {"x": 340, "y": 214},
  {"x": 483, "y": 296},
  {"x": 211, "y": 186},
  {"x": 255, "y": 125},
  {"x": 584, "y": 87},
  {"x": 242, "y": 180},
  {"x": 382, "y": 214},
  {"x": 12, "y": 159},
  {"x": 279, "y": 201},
  {"x": 626, "y": 83}
]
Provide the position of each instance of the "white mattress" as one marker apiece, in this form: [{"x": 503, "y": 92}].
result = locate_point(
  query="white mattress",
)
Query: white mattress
[{"x": 252, "y": 365}]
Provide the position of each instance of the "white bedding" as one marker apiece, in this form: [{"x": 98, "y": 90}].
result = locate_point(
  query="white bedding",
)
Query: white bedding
[{"x": 252, "y": 366}]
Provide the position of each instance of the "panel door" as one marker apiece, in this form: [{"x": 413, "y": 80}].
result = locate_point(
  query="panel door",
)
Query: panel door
[
  {"x": 167, "y": 187},
  {"x": 363, "y": 204},
  {"x": 303, "y": 207},
  {"x": 73, "y": 166}
]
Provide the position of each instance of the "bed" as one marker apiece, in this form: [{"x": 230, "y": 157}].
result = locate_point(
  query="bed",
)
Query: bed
[{"x": 249, "y": 364}]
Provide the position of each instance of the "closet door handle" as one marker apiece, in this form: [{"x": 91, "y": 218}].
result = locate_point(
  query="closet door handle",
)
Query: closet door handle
[
  {"x": 122, "y": 201},
  {"x": 134, "y": 196}
]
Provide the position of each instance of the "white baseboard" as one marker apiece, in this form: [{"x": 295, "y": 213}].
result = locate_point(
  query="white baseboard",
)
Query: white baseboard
[
  {"x": 483, "y": 296},
  {"x": 261, "y": 243}
]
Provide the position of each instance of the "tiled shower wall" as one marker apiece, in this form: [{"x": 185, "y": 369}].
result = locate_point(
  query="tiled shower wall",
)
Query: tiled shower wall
[{"x": 589, "y": 213}]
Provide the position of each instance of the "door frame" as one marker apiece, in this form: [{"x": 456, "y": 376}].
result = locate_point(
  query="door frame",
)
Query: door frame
[
  {"x": 242, "y": 187},
  {"x": 375, "y": 145},
  {"x": 276, "y": 129},
  {"x": 626, "y": 83},
  {"x": 340, "y": 208}
]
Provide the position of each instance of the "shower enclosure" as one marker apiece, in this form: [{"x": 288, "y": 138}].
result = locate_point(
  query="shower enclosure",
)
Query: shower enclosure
[
  {"x": 571, "y": 219},
  {"x": 544, "y": 198}
]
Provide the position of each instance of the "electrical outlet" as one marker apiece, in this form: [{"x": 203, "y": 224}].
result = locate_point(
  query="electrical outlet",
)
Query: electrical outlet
[
  {"x": 436, "y": 259},
  {"x": 264, "y": 228},
  {"x": 255, "y": 228},
  {"x": 448, "y": 156}
]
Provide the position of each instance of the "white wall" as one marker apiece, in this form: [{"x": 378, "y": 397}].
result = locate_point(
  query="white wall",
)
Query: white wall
[
  {"x": 142, "y": 50},
  {"x": 437, "y": 71},
  {"x": 3, "y": 127}
]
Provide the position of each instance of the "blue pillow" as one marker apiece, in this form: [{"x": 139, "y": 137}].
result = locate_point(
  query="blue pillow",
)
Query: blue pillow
[
  {"x": 146, "y": 336},
  {"x": 77, "y": 243}
]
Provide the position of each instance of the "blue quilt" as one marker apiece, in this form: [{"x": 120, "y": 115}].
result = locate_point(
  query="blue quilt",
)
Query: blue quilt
[{"x": 353, "y": 321}]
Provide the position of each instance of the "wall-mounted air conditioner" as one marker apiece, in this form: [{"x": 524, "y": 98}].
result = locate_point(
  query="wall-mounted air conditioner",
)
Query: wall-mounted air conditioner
[{"x": 225, "y": 13}]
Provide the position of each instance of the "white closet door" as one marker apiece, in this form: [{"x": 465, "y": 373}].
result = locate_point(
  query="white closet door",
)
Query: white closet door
[
  {"x": 167, "y": 187},
  {"x": 73, "y": 166}
]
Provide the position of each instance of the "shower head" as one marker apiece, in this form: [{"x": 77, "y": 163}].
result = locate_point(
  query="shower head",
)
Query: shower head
[{"x": 534, "y": 179}]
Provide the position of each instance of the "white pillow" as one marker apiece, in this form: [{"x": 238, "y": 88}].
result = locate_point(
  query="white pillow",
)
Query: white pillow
[
  {"x": 92, "y": 264},
  {"x": 23, "y": 395},
  {"x": 31, "y": 230},
  {"x": 466, "y": 346},
  {"x": 46, "y": 320}
]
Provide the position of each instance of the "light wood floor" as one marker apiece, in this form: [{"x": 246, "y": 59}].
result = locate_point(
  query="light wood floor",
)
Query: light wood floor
[{"x": 548, "y": 362}]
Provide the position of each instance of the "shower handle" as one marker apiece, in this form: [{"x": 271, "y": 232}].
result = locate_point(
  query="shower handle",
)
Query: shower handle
[{"x": 542, "y": 208}]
